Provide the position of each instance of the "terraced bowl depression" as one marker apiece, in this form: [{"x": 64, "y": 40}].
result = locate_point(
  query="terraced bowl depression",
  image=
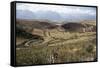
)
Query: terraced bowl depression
[{"x": 25, "y": 40}]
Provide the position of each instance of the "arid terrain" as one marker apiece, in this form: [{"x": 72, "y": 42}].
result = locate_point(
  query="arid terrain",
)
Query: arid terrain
[{"x": 43, "y": 42}]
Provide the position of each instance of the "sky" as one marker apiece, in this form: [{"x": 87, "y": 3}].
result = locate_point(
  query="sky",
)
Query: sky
[{"x": 54, "y": 12}]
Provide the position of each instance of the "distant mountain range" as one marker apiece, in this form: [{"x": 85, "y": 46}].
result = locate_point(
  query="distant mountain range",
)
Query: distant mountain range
[
  {"x": 49, "y": 15},
  {"x": 52, "y": 16},
  {"x": 25, "y": 14}
]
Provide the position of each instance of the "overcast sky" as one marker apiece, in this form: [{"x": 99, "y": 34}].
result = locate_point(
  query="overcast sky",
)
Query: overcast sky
[{"x": 64, "y": 11}]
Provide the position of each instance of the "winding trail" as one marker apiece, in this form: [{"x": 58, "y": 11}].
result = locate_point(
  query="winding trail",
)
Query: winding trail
[{"x": 53, "y": 41}]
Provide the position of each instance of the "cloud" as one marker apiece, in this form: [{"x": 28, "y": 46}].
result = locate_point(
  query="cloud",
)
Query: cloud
[
  {"x": 56, "y": 8},
  {"x": 38, "y": 7},
  {"x": 75, "y": 11}
]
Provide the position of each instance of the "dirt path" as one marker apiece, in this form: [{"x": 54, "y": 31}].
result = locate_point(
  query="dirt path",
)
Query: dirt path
[{"x": 55, "y": 41}]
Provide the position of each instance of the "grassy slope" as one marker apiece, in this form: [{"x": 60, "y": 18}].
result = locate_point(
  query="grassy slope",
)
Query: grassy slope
[{"x": 59, "y": 47}]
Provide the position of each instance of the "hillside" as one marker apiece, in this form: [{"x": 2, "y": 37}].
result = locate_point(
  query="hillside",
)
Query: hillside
[
  {"x": 35, "y": 24},
  {"x": 45, "y": 43},
  {"x": 80, "y": 27}
]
